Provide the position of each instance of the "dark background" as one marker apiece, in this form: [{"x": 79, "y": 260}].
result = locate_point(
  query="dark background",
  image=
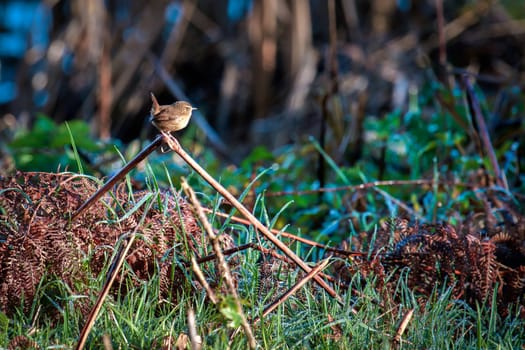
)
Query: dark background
[{"x": 260, "y": 72}]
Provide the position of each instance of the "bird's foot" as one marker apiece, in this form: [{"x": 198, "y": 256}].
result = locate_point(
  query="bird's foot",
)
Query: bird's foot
[{"x": 170, "y": 140}]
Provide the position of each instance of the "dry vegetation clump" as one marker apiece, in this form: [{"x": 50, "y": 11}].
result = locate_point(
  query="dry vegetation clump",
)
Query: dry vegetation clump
[
  {"x": 38, "y": 239},
  {"x": 432, "y": 256}
]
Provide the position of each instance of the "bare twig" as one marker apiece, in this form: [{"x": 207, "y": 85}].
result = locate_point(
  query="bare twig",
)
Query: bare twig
[
  {"x": 289, "y": 235},
  {"x": 195, "y": 338},
  {"x": 332, "y": 27},
  {"x": 403, "y": 325},
  {"x": 294, "y": 289},
  {"x": 230, "y": 251},
  {"x": 117, "y": 263},
  {"x": 366, "y": 186},
  {"x": 400, "y": 204},
  {"x": 200, "y": 276},
  {"x": 105, "y": 96},
  {"x": 106, "y": 340},
  {"x": 248, "y": 215},
  {"x": 449, "y": 106},
  {"x": 223, "y": 265},
  {"x": 441, "y": 33},
  {"x": 458, "y": 25},
  {"x": 118, "y": 176},
  {"x": 481, "y": 128}
]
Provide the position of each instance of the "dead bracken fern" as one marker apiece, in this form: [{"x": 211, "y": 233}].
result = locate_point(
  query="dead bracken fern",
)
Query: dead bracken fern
[
  {"x": 36, "y": 237},
  {"x": 435, "y": 255}
]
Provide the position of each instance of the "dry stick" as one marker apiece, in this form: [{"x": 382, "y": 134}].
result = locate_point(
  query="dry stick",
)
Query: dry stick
[
  {"x": 274, "y": 254},
  {"x": 441, "y": 33},
  {"x": 226, "y": 252},
  {"x": 223, "y": 265},
  {"x": 501, "y": 180},
  {"x": 400, "y": 204},
  {"x": 106, "y": 340},
  {"x": 403, "y": 325},
  {"x": 457, "y": 26},
  {"x": 118, "y": 176},
  {"x": 366, "y": 185},
  {"x": 195, "y": 338},
  {"x": 265, "y": 251},
  {"x": 294, "y": 289},
  {"x": 271, "y": 252},
  {"x": 291, "y": 236},
  {"x": 246, "y": 213},
  {"x": 118, "y": 261},
  {"x": 200, "y": 276},
  {"x": 449, "y": 106},
  {"x": 230, "y": 251}
]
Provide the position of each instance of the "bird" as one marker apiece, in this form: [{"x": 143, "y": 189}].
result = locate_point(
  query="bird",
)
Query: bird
[{"x": 168, "y": 118}]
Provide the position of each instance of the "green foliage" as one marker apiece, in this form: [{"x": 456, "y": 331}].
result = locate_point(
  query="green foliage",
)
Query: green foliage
[
  {"x": 4, "y": 325},
  {"x": 514, "y": 8},
  {"x": 229, "y": 310},
  {"x": 47, "y": 146}
]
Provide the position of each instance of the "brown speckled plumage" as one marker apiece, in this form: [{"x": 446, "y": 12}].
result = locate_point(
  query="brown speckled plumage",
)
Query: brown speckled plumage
[{"x": 172, "y": 117}]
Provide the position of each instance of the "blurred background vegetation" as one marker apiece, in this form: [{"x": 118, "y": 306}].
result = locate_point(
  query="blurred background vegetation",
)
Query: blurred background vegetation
[{"x": 336, "y": 92}]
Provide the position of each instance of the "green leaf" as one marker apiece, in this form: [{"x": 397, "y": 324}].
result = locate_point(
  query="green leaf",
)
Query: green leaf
[{"x": 228, "y": 309}]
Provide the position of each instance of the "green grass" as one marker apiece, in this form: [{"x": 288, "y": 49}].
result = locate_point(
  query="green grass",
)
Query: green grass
[{"x": 141, "y": 320}]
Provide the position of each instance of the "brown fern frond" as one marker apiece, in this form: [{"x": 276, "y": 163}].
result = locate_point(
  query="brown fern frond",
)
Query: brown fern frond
[
  {"x": 36, "y": 237},
  {"x": 22, "y": 342},
  {"x": 488, "y": 269}
]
